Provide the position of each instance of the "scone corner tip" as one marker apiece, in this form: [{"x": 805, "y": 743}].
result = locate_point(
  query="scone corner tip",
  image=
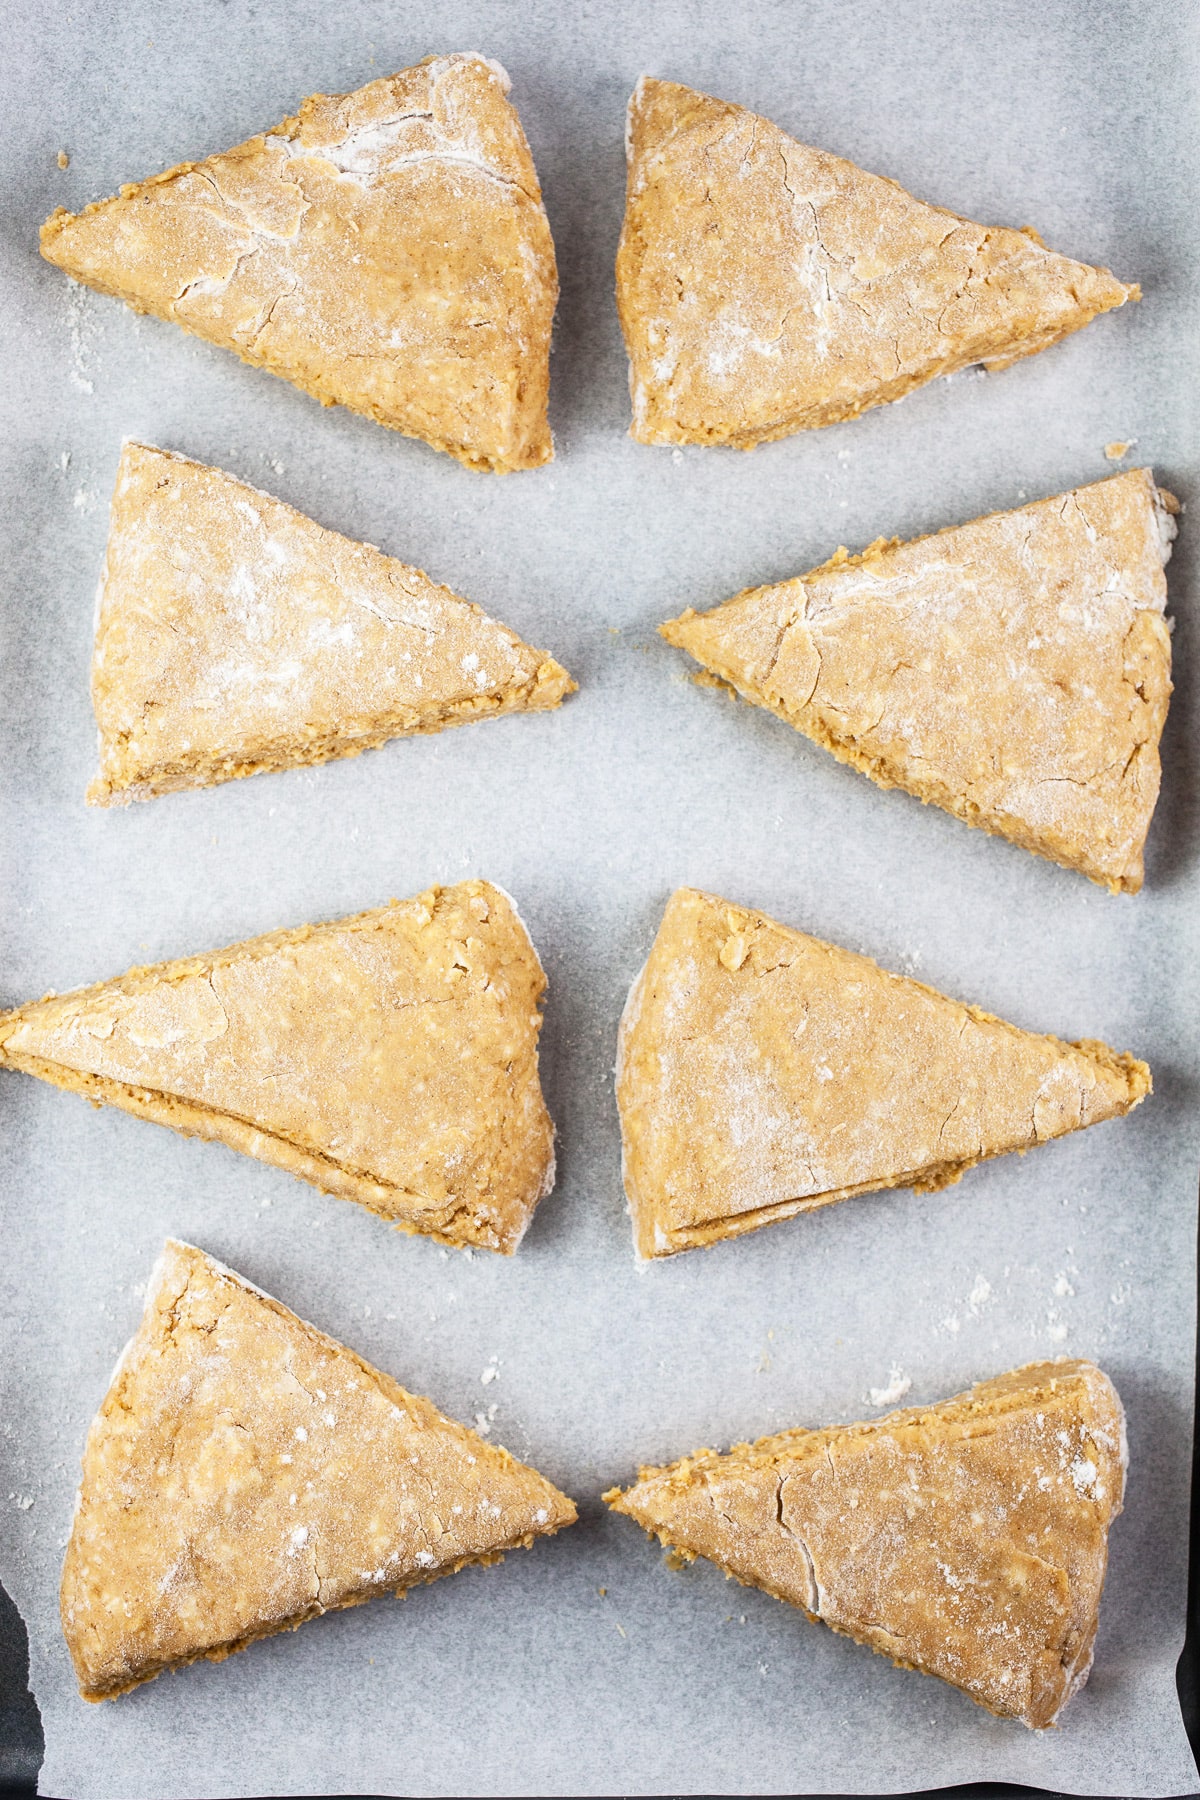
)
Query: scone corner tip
[{"x": 673, "y": 629}]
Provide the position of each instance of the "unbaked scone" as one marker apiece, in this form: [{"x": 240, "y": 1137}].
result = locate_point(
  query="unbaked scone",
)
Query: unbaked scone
[
  {"x": 387, "y": 250},
  {"x": 389, "y": 1058},
  {"x": 968, "y": 1540},
  {"x": 762, "y": 1072},
  {"x": 246, "y": 1473},
  {"x": 765, "y": 287},
  {"x": 1015, "y": 671},
  {"x": 234, "y": 635}
]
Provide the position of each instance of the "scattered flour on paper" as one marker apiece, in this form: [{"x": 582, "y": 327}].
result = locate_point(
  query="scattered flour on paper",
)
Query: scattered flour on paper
[
  {"x": 898, "y": 1384},
  {"x": 82, "y": 330}
]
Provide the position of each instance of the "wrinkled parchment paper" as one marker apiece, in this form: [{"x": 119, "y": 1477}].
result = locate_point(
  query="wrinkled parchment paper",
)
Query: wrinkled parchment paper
[{"x": 587, "y": 1665}]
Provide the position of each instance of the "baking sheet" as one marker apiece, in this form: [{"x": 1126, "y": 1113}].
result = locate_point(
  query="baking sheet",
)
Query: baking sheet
[{"x": 587, "y": 1665}]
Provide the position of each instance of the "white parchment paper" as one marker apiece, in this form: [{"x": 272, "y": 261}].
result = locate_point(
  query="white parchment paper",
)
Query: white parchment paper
[{"x": 587, "y": 1666}]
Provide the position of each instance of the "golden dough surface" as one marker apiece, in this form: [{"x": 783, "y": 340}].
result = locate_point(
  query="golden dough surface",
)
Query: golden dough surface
[
  {"x": 1015, "y": 671},
  {"x": 387, "y": 250},
  {"x": 766, "y": 287},
  {"x": 246, "y": 1473},
  {"x": 389, "y": 1058},
  {"x": 235, "y": 635},
  {"x": 762, "y": 1072},
  {"x": 967, "y": 1539}
]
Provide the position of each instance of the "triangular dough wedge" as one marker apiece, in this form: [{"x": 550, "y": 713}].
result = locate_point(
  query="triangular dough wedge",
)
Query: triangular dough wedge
[
  {"x": 246, "y": 1473},
  {"x": 1015, "y": 671},
  {"x": 389, "y": 1058},
  {"x": 234, "y": 635},
  {"x": 967, "y": 1540},
  {"x": 765, "y": 287},
  {"x": 386, "y": 249},
  {"x": 761, "y": 1073}
]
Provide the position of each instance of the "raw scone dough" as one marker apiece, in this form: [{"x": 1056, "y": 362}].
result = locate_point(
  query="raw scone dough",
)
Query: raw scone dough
[
  {"x": 246, "y": 1473},
  {"x": 386, "y": 249},
  {"x": 1015, "y": 671},
  {"x": 761, "y": 1073},
  {"x": 967, "y": 1540},
  {"x": 765, "y": 287},
  {"x": 234, "y": 635},
  {"x": 389, "y": 1058}
]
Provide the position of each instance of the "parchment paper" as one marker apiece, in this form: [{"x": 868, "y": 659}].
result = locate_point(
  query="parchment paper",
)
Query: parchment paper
[{"x": 587, "y": 1666}]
